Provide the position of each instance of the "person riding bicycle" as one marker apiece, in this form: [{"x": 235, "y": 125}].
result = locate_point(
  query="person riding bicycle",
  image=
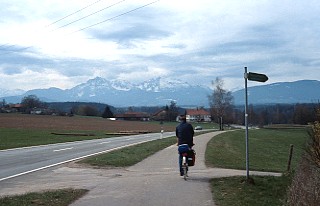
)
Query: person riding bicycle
[{"x": 184, "y": 133}]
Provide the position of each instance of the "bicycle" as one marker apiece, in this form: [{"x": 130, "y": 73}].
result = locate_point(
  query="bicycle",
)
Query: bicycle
[{"x": 187, "y": 159}]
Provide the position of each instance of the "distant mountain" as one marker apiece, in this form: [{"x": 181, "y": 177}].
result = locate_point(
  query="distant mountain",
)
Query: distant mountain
[
  {"x": 153, "y": 92},
  {"x": 304, "y": 91},
  {"x": 160, "y": 92},
  {"x": 5, "y": 92}
]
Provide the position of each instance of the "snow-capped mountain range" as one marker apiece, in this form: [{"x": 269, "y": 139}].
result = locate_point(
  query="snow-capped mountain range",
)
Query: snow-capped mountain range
[
  {"x": 160, "y": 92},
  {"x": 153, "y": 92}
]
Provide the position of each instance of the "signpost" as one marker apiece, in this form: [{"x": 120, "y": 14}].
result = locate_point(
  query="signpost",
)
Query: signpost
[
  {"x": 252, "y": 77},
  {"x": 257, "y": 77}
]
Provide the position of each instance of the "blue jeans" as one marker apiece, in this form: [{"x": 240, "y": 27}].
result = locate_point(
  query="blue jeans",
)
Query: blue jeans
[{"x": 182, "y": 149}]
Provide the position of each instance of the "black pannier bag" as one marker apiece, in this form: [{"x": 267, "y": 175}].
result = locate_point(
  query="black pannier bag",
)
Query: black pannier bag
[{"x": 191, "y": 157}]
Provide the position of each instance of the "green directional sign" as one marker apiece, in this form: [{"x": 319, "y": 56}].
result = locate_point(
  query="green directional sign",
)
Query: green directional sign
[{"x": 257, "y": 77}]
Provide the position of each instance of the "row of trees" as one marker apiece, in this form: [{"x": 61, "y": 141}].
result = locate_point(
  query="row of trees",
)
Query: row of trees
[{"x": 32, "y": 102}]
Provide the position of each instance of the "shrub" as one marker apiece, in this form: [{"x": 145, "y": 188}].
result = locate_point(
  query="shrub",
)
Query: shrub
[
  {"x": 305, "y": 188},
  {"x": 313, "y": 148}
]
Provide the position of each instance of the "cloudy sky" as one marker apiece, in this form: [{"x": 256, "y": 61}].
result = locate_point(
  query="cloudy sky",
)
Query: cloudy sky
[{"x": 58, "y": 43}]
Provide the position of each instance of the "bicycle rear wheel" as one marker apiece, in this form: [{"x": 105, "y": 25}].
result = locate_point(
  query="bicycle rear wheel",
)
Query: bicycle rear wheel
[{"x": 185, "y": 167}]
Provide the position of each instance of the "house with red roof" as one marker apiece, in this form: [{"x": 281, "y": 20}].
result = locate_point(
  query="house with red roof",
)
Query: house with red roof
[
  {"x": 198, "y": 115},
  {"x": 134, "y": 116}
]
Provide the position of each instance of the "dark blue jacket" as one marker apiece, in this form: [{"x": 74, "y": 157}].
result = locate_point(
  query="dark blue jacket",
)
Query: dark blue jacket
[{"x": 185, "y": 132}]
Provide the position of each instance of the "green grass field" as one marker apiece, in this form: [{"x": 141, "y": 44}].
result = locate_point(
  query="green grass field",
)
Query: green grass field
[
  {"x": 268, "y": 149},
  {"x": 14, "y": 138},
  {"x": 234, "y": 191}
]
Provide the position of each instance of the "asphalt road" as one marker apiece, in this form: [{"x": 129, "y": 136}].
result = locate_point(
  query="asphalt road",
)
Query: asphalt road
[{"x": 17, "y": 162}]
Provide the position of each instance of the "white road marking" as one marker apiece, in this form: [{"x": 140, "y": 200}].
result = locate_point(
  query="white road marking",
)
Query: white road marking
[
  {"x": 104, "y": 142},
  {"x": 58, "y": 150}
]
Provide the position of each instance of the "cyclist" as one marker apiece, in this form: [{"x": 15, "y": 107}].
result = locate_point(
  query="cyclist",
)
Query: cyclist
[{"x": 184, "y": 133}]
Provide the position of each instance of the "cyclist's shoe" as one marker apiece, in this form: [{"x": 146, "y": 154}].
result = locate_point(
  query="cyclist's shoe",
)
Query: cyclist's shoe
[{"x": 181, "y": 173}]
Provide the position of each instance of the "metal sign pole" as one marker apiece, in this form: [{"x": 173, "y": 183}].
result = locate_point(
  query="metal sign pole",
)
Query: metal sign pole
[
  {"x": 253, "y": 77},
  {"x": 246, "y": 120}
]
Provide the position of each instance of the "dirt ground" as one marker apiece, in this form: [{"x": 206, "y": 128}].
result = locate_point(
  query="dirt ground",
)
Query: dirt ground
[{"x": 77, "y": 123}]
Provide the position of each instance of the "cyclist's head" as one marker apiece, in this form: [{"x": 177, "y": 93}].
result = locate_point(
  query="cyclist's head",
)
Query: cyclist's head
[{"x": 182, "y": 117}]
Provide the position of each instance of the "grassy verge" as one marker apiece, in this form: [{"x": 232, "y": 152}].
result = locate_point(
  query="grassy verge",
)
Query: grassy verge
[
  {"x": 268, "y": 149},
  {"x": 14, "y": 138},
  {"x": 235, "y": 191},
  {"x": 130, "y": 155},
  {"x": 61, "y": 197}
]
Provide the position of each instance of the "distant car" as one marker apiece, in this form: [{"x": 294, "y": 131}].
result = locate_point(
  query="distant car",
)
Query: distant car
[{"x": 198, "y": 128}]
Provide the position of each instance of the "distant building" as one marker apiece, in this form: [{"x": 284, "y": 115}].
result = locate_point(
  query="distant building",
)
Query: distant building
[
  {"x": 160, "y": 115},
  {"x": 198, "y": 115},
  {"x": 37, "y": 111},
  {"x": 43, "y": 111},
  {"x": 133, "y": 116},
  {"x": 12, "y": 108}
]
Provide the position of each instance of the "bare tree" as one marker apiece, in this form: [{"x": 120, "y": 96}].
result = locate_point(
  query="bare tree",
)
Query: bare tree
[
  {"x": 220, "y": 101},
  {"x": 171, "y": 111},
  {"x": 32, "y": 101}
]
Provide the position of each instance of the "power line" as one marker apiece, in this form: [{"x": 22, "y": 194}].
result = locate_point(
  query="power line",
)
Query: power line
[
  {"x": 89, "y": 15},
  {"x": 6, "y": 46},
  {"x": 74, "y": 13},
  {"x": 116, "y": 16}
]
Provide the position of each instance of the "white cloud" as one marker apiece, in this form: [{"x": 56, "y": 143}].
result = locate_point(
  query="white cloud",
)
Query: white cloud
[
  {"x": 143, "y": 74},
  {"x": 29, "y": 79}
]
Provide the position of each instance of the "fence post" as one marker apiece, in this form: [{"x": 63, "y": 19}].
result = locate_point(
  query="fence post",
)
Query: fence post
[{"x": 290, "y": 157}]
